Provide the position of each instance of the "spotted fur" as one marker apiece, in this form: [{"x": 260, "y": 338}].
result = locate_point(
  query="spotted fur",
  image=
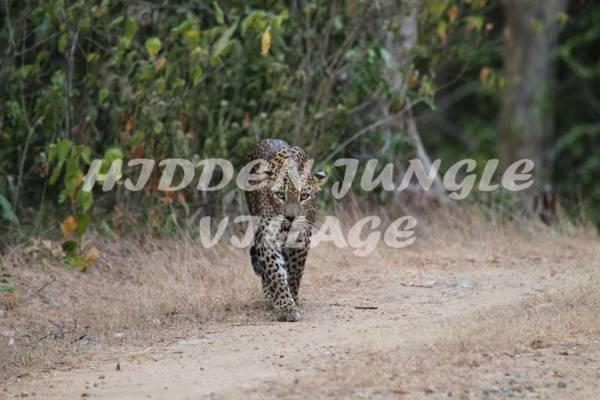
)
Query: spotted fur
[{"x": 286, "y": 210}]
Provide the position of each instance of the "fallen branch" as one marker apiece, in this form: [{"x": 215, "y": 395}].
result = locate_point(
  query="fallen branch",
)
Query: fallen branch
[
  {"x": 82, "y": 337},
  {"x": 426, "y": 285},
  {"x": 44, "y": 286}
]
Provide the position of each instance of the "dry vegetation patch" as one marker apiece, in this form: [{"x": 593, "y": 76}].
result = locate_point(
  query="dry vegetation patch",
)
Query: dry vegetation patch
[
  {"x": 144, "y": 291},
  {"x": 137, "y": 291},
  {"x": 543, "y": 347}
]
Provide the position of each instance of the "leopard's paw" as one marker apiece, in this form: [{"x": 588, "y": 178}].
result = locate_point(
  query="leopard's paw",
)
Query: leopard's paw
[
  {"x": 269, "y": 305},
  {"x": 288, "y": 316}
]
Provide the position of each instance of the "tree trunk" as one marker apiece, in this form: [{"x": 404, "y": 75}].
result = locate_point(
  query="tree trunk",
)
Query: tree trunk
[
  {"x": 526, "y": 119},
  {"x": 399, "y": 44}
]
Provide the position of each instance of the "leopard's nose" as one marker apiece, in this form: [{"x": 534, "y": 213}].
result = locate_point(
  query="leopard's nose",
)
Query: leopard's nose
[{"x": 291, "y": 211}]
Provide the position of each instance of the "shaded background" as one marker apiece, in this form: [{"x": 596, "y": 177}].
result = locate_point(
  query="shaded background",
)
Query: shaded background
[{"x": 392, "y": 80}]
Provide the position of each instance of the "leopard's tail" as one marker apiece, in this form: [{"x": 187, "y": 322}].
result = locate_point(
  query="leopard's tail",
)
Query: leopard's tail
[{"x": 256, "y": 265}]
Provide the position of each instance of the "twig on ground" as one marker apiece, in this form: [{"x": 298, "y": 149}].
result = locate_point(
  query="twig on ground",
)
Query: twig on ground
[
  {"x": 428, "y": 285},
  {"x": 44, "y": 286},
  {"x": 60, "y": 330},
  {"x": 82, "y": 337}
]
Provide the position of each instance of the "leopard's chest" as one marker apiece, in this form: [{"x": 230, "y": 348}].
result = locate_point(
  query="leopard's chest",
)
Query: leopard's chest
[{"x": 293, "y": 237}]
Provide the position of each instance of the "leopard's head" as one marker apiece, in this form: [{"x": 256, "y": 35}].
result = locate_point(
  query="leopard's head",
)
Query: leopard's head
[{"x": 292, "y": 188}]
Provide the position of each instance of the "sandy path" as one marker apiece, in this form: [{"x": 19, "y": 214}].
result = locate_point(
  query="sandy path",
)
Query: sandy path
[{"x": 271, "y": 360}]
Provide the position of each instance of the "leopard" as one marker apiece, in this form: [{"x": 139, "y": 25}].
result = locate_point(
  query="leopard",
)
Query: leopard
[{"x": 284, "y": 205}]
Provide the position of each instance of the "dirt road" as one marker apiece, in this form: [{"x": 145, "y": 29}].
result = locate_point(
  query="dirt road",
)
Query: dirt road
[{"x": 485, "y": 325}]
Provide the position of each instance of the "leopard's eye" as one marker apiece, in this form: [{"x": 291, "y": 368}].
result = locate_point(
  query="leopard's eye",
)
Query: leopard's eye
[
  {"x": 280, "y": 195},
  {"x": 304, "y": 196}
]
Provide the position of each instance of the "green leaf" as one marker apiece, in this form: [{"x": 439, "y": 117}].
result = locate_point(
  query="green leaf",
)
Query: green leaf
[
  {"x": 130, "y": 31},
  {"x": 84, "y": 200},
  {"x": 62, "y": 42},
  {"x": 102, "y": 95},
  {"x": 25, "y": 70},
  {"x": 83, "y": 221},
  {"x": 6, "y": 288},
  {"x": 76, "y": 261},
  {"x": 158, "y": 127},
  {"x": 475, "y": 21},
  {"x": 85, "y": 154},
  {"x": 113, "y": 154},
  {"x": 41, "y": 57},
  {"x": 153, "y": 46},
  {"x": 255, "y": 21},
  {"x": 7, "y": 212},
  {"x": 70, "y": 248},
  {"x": 147, "y": 73},
  {"x": 198, "y": 72},
  {"x": 218, "y": 13},
  {"x": 221, "y": 44},
  {"x": 562, "y": 18},
  {"x": 62, "y": 196},
  {"x": 58, "y": 151},
  {"x": 73, "y": 176},
  {"x": 92, "y": 57},
  {"x": 338, "y": 23},
  {"x": 191, "y": 38},
  {"x": 183, "y": 27},
  {"x": 134, "y": 140},
  {"x": 116, "y": 21},
  {"x": 104, "y": 229}
]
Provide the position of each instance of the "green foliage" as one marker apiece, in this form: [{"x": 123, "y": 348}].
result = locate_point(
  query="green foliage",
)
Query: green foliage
[
  {"x": 183, "y": 81},
  {"x": 122, "y": 80},
  {"x": 576, "y": 149},
  {"x": 4, "y": 280},
  {"x": 6, "y": 288},
  {"x": 8, "y": 213},
  {"x": 67, "y": 160}
]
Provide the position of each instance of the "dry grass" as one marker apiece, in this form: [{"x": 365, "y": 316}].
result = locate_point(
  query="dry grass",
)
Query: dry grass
[
  {"x": 551, "y": 317},
  {"x": 149, "y": 290},
  {"x": 138, "y": 289},
  {"x": 489, "y": 354}
]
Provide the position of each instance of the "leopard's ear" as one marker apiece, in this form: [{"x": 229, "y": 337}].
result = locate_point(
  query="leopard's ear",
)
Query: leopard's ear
[
  {"x": 264, "y": 175},
  {"x": 320, "y": 177},
  {"x": 261, "y": 171}
]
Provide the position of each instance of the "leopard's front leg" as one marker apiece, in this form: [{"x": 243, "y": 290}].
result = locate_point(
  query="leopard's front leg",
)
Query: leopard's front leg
[
  {"x": 277, "y": 282},
  {"x": 295, "y": 252},
  {"x": 275, "y": 275},
  {"x": 295, "y": 259}
]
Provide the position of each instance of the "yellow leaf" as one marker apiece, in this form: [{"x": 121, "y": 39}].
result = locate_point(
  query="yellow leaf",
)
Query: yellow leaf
[
  {"x": 192, "y": 34},
  {"x": 90, "y": 257},
  {"x": 160, "y": 63},
  {"x": 246, "y": 120},
  {"x": 68, "y": 226},
  {"x": 484, "y": 74},
  {"x": 128, "y": 126},
  {"x": 453, "y": 13},
  {"x": 78, "y": 179},
  {"x": 265, "y": 43},
  {"x": 441, "y": 31}
]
